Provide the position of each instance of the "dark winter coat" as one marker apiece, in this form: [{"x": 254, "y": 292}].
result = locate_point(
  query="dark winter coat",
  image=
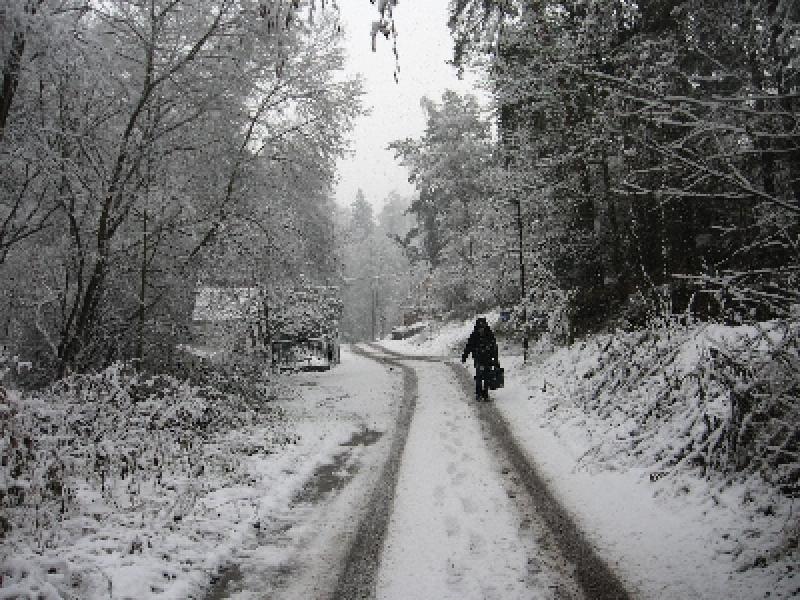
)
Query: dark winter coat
[{"x": 482, "y": 345}]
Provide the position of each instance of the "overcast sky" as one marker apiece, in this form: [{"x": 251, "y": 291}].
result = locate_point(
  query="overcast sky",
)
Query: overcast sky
[{"x": 424, "y": 46}]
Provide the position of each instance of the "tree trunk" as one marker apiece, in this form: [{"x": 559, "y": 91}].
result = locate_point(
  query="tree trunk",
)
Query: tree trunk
[
  {"x": 11, "y": 78},
  {"x": 11, "y": 68}
]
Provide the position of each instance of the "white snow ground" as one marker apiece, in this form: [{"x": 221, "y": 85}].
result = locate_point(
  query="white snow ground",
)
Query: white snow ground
[
  {"x": 454, "y": 532},
  {"x": 114, "y": 551},
  {"x": 675, "y": 537}
]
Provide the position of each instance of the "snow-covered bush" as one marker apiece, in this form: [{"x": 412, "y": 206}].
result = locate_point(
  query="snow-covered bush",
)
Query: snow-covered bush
[
  {"x": 546, "y": 310},
  {"x": 759, "y": 368},
  {"x": 719, "y": 400},
  {"x": 120, "y": 439},
  {"x": 119, "y": 463},
  {"x": 700, "y": 410},
  {"x": 48, "y": 580}
]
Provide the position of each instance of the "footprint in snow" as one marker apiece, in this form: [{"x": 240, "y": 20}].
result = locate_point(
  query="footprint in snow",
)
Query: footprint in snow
[
  {"x": 477, "y": 544},
  {"x": 454, "y": 573},
  {"x": 459, "y": 478},
  {"x": 468, "y": 505},
  {"x": 451, "y": 526}
]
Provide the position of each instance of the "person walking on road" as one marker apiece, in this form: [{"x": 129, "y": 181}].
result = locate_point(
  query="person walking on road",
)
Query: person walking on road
[{"x": 483, "y": 347}]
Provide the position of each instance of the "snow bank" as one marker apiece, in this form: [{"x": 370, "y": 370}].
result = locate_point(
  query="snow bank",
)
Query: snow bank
[{"x": 644, "y": 438}]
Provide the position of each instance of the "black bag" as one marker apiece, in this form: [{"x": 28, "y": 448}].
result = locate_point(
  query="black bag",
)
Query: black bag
[{"x": 495, "y": 378}]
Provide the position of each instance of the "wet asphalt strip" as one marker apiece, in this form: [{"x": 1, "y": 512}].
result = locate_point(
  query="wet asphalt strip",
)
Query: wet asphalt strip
[
  {"x": 326, "y": 479},
  {"x": 357, "y": 580},
  {"x": 595, "y": 578}
]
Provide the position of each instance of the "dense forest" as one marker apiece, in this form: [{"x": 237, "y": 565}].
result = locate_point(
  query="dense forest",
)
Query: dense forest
[
  {"x": 642, "y": 157},
  {"x": 638, "y": 159}
]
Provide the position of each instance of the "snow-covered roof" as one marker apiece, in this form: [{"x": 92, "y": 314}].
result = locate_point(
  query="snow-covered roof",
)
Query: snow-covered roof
[{"x": 225, "y": 303}]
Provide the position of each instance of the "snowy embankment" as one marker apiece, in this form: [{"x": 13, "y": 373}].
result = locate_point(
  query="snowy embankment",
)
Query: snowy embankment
[
  {"x": 675, "y": 448},
  {"x": 120, "y": 486}
]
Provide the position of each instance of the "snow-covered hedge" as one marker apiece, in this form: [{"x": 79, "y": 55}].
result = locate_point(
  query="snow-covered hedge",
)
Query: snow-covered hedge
[{"x": 699, "y": 397}]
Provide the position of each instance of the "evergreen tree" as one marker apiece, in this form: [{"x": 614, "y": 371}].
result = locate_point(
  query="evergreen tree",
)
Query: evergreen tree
[{"x": 363, "y": 221}]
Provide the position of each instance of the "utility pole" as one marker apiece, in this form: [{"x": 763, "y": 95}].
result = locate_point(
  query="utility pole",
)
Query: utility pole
[
  {"x": 522, "y": 298},
  {"x": 374, "y": 303},
  {"x": 522, "y": 284}
]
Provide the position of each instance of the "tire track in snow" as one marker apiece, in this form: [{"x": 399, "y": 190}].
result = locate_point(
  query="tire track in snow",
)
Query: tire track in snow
[
  {"x": 297, "y": 547},
  {"x": 357, "y": 579},
  {"x": 455, "y": 532},
  {"x": 590, "y": 573},
  {"x": 473, "y": 517},
  {"x": 596, "y": 579}
]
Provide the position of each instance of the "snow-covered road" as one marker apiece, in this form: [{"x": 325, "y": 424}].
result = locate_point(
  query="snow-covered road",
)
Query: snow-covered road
[
  {"x": 382, "y": 479},
  {"x": 457, "y": 530},
  {"x": 345, "y": 419},
  {"x": 431, "y": 505}
]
